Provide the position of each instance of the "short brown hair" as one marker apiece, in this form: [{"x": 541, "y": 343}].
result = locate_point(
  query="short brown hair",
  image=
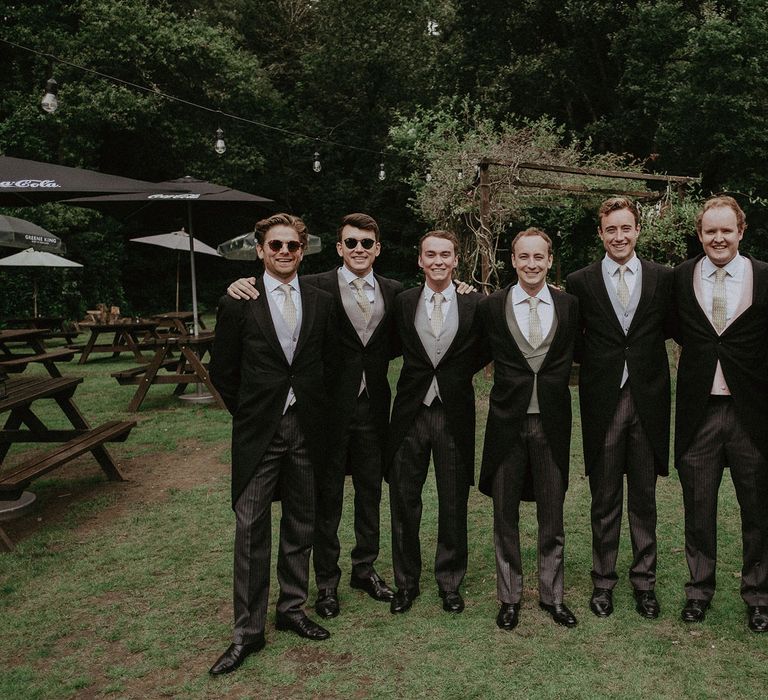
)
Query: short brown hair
[
  {"x": 722, "y": 201},
  {"x": 289, "y": 220},
  {"x": 361, "y": 221},
  {"x": 617, "y": 204},
  {"x": 533, "y": 231},
  {"x": 446, "y": 235}
]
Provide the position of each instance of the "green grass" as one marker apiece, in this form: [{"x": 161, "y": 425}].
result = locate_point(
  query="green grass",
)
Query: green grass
[{"x": 140, "y": 605}]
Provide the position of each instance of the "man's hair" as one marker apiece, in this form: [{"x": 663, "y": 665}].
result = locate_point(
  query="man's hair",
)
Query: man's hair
[
  {"x": 722, "y": 201},
  {"x": 289, "y": 220},
  {"x": 533, "y": 231},
  {"x": 446, "y": 235},
  {"x": 617, "y": 204},
  {"x": 361, "y": 221}
]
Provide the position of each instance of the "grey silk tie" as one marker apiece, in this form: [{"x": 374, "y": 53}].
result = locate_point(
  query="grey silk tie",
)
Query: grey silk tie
[
  {"x": 622, "y": 290},
  {"x": 534, "y": 322},
  {"x": 362, "y": 298},
  {"x": 437, "y": 313},
  {"x": 719, "y": 302},
  {"x": 289, "y": 308}
]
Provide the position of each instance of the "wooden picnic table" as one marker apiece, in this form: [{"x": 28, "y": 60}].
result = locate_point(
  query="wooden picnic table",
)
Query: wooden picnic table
[
  {"x": 11, "y": 360},
  {"x": 24, "y": 425},
  {"x": 179, "y": 322},
  {"x": 128, "y": 336},
  {"x": 53, "y": 324},
  {"x": 187, "y": 369}
]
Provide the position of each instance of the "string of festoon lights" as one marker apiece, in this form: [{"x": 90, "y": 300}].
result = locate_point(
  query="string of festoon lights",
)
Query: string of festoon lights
[{"x": 49, "y": 103}]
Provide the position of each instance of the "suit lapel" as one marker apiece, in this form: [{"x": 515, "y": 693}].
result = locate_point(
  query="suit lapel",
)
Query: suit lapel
[
  {"x": 498, "y": 314},
  {"x": 561, "y": 308},
  {"x": 387, "y": 294},
  {"x": 308, "y": 313},
  {"x": 650, "y": 279},
  {"x": 259, "y": 310},
  {"x": 462, "y": 308},
  {"x": 410, "y": 304},
  {"x": 596, "y": 285}
]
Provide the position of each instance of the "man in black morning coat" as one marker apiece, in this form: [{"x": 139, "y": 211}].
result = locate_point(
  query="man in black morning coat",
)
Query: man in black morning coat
[
  {"x": 434, "y": 412},
  {"x": 367, "y": 340},
  {"x": 531, "y": 329},
  {"x": 272, "y": 362},
  {"x": 721, "y": 413},
  {"x": 624, "y": 394}
]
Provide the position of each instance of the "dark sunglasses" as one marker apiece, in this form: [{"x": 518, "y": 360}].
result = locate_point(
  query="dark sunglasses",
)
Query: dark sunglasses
[
  {"x": 276, "y": 246},
  {"x": 367, "y": 243}
]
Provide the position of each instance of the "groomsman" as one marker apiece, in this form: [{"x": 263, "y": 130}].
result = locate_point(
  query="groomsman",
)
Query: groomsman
[
  {"x": 361, "y": 402},
  {"x": 273, "y": 363},
  {"x": 531, "y": 329},
  {"x": 722, "y": 405},
  {"x": 624, "y": 394},
  {"x": 434, "y": 414}
]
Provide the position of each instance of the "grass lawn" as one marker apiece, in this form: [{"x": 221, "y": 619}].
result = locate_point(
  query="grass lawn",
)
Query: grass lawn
[{"x": 124, "y": 591}]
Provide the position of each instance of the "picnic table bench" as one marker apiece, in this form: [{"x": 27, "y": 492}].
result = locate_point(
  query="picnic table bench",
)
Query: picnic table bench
[
  {"x": 128, "y": 336},
  {"x": 188, "y": 368},
  {"x": 54, "y": 325},
  {"x": 177, "y": 322},
  {"x": 13, "y": 361},
  {"x": 22, "y": 394}
]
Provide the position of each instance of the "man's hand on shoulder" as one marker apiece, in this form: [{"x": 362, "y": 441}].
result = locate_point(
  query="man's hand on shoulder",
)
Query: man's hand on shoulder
[
  {"x": 243, "y": 288},
  {"x": 464, "y": 288}
]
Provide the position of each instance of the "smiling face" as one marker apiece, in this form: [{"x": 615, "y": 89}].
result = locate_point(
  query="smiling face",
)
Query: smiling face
[
  {"x": 720, "y": 234},
  {"x": 282, "y": 263},
  {"x": 619, "y": 231},
  {"x": 438, "y": 259},
  {"x": 358, "y": 259},
  {"x": 532, "y": 261}
]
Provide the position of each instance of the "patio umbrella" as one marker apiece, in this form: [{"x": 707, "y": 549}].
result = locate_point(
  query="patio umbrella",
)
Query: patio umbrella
[
  {"x": 244, "y": 247},
  {"x": 36, "y": 258},
  {"x": 28, "y": 182},
  {"x": 19, "y": 233},
  {"x": 199, "y": 197},
  {"x": 178, "y": 241}
]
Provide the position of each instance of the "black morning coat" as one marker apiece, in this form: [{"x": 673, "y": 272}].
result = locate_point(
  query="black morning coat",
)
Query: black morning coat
[{"x": 250, "y": 370}]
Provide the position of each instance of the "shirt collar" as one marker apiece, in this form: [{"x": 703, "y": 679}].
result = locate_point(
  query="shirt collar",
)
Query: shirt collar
[
  {"x": 272, "y": 283},
  {"x": 519, "y": 295},
  {"x": 350, "y": 277},
  {"x": 611, "y": 266},
  {"x": 448, "y": 293},
  {"x": 735, "y": 268}
]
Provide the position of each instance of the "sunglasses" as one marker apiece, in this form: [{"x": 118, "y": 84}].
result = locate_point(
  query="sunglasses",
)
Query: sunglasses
[
  {"x": 276, "y": 246},
  {"x": 367, "y": 243}
]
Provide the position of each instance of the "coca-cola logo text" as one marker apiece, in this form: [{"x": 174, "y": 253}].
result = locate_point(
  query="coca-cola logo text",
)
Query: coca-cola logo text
[{"x": 44, "y": 184}]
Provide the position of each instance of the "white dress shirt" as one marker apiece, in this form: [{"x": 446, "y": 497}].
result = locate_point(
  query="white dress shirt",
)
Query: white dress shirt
[
  {"x": 369, "y": 279},
  {"x": 449, "y": 294},
  {"x": 734, "y": 278},
  {"x": 272, "y": 287},
  {"x": 522, "y": 308},
  {"x": 630, "y": 274}
]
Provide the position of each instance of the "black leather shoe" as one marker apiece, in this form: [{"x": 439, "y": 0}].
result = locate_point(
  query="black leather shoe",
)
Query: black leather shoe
[
  {"x": 373, "y": 585},
  {"x": 560, "y": 614},
  {"x": 647, "y": 606},
  {"x": 694, "y": 610},
  {"x": 327, "y": 603},
  {"x": 509, "y": 616},
  {"x": 452, "y": 601},
  {"x": 234, "y": 656},
  {"x": 302, "y": 626},
  {"x": 403, "y": 600},
  {"x": 601, "y": 602},
  {"x": 758, "y": 618}
]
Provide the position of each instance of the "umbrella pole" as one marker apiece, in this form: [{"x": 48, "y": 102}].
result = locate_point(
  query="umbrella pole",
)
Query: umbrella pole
[
  {"x": 178, "y": 263},
  {"x": 34, "y": 293},
  {"x": 196, "y": 325}
]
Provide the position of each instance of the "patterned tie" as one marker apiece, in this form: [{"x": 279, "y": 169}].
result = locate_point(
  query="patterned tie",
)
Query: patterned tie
[
  {"x": 622, "y": 290},
  {"x": 719, "y": 303},
  {"x": 534, "y": 323},
  {"x": 289, "y": 308},
  {"x": 437, "y": 313},
  {"x": 362, "y": 298}
]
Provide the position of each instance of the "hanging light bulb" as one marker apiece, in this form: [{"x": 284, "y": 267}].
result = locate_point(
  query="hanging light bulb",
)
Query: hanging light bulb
[
  {"x": 316, "y": 166},
  {"x": 220, "y": 146},
  {"x": 382, "y": 173},
  {"x": 428, "y": 176},
  {"x": 50, "y": 102}
]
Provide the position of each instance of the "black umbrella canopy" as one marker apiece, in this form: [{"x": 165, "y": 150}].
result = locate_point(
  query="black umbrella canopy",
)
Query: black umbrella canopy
[
  {"x": 29, "y": 182},
  {"x": 20, "y": 233},
  {"x": 198, "y": 199}
]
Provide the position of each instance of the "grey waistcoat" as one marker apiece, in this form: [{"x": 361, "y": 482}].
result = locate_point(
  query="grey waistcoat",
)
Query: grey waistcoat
[
  {"x": 623, "y": 315},
  {"x": 436, "y": 347}
]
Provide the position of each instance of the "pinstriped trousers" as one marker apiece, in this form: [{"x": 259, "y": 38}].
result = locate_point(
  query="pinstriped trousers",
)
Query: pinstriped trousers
[
  {"x": 722, "y": 441},
  {"x": 429, "y": 433},
  {"x": 535, "y": 454},
  {"x": 285, "y": 466},
  {"x": 626, "y": 450}
]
